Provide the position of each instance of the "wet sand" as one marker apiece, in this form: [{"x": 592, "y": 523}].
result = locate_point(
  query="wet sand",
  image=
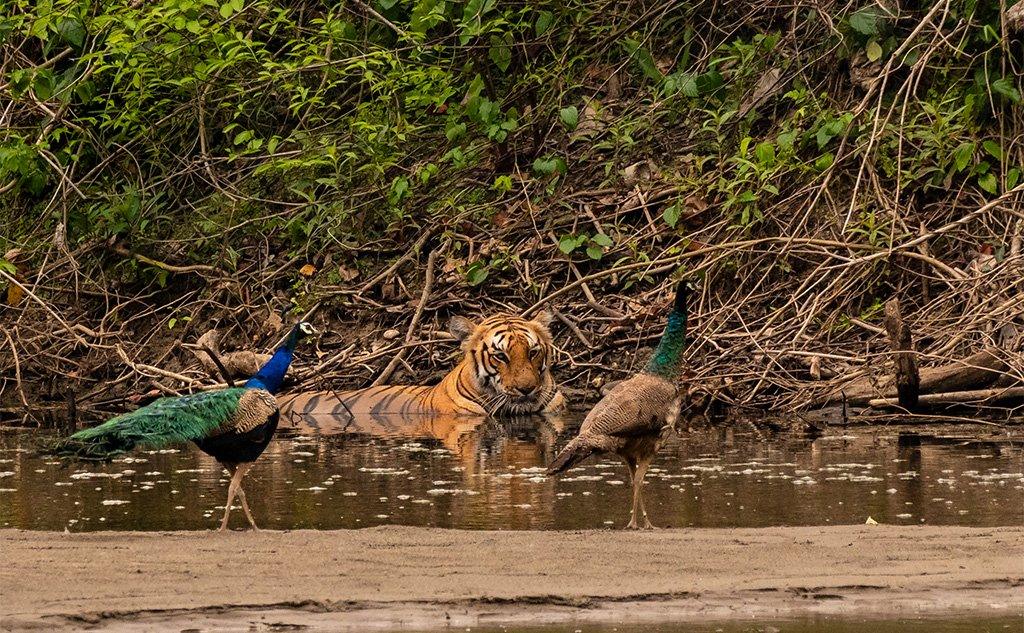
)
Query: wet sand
[{"x": 391, "y": 577}]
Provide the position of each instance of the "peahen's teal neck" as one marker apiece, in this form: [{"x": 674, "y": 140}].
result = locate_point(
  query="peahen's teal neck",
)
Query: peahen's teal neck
[
  {"x": 669, "y": 354},
  {"x": 271, "y": 375}
]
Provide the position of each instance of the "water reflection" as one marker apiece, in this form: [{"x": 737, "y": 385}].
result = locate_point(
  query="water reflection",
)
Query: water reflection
[{"x": 484, "y": 473}]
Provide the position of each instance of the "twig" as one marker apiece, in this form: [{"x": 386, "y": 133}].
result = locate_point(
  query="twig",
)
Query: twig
[
  {"x": 572, "y": 328},
  {"x": 17, "y": 371},
  {"x": 145, "y": 370},
  {"x": 193, "y": 268},
  {"x": 428, "y": 283},
  {"x": 35, "y": 298},
  {"x": 380, "y": 17},
  {"x": 409, "y": 254}
]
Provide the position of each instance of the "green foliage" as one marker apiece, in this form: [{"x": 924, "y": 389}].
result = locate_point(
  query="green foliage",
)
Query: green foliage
[
  {"x": 594, "y": 246},
  {"x": 305, "y": 125}
]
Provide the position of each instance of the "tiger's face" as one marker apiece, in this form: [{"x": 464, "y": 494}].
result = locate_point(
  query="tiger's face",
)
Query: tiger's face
[{"x": 508, "y": 361}]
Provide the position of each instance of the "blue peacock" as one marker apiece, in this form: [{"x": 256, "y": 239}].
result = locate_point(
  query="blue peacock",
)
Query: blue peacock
[{"x": 232, "y": 425}]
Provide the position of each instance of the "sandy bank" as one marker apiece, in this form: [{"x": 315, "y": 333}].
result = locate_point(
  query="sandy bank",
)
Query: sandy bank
[{"x": 420, "y": 577}]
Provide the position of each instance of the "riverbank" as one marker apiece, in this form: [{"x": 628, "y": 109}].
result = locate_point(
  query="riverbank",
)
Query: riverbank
[{"x": 422, "y": 578}]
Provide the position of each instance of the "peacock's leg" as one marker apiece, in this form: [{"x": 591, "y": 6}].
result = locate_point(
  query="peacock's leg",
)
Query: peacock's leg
[
  {"x": 638, "y": 484},
  {"x": 232, "y": 491},
  {"x": 631, "y": 465},
  {"x": 241, "y": 495}
]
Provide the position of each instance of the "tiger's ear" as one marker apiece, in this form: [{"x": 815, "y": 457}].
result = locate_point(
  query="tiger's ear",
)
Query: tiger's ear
[
  {"x": 544, "y": 318},
  {"x": 461, "y": 327}
]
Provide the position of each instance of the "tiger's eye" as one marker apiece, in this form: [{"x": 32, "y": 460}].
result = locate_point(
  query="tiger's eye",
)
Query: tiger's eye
[{"x": 500, "y": 356}]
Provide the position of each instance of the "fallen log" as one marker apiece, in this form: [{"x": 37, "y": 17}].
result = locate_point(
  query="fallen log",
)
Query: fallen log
[
  {"x": 977, "y": 371},
  {"x": 986, "y": 396},
  {"x": 236, "y": 364}
]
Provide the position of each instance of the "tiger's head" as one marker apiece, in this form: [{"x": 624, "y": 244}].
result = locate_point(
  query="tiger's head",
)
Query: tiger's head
[{"x": 507, "y": 363}]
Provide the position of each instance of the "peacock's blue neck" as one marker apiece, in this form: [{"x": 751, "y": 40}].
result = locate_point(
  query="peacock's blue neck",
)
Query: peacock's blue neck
[{"x": 271, "y": 375}]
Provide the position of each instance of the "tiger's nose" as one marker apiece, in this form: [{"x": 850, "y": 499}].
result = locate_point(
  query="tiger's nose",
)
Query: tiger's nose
[{"x": 526, "y": 391}]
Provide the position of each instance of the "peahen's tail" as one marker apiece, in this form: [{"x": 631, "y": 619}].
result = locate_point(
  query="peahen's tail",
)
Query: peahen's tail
[
  {"x": 162, "y": 422},
  {"x": 668, "y": 355},
  {"x": 574, "y": 452}
]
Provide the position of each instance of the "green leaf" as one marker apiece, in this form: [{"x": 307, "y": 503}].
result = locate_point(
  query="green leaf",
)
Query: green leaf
[
  {"x": 455, "y": 131},
  {"x": 487, "y": 111},
  {"x": 549, "y": 166},
  {"x": 785, "y": 140},
  {"x": 874, "y": 51},
  {"x": 671, "y": 215},
  {"x": 994, "y": 149},
  {"x": 570, "y": 117},
  {"x": 1012, "y": 178},
  {"x": 242, "y": 137},
  {"x": 477, "y": 273},
  {"x": 1005, "y": 88},
  {"x": 865, "y": 21},
  {"x": 962, "y": 156},
  {"x": 594, "y": 252},
  {"x": 765, "y": 153},
  {"x": 989, "y": 183},
  {"x": 824, "y": 161},
  {"x": 709, "y": 82},
  {"x": 544, "y": 20},
  {"x": 602, "y": 240},
  {"x": 688, "y": 85},
  {"x": 226, "y": 10},
  {"x": 399, "y": 190},
  {"x": 567, "y": 244},
  {"x": 500, "y": 53},
  {"x": 72, "y": 31},
  {"x": 43, "y": 84},
  {"x": 644, "y": 59}
]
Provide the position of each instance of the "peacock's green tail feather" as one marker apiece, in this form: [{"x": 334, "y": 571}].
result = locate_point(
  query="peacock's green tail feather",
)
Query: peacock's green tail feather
[
  {"x": 162, "y": 422},
  {"x": 669, "y": 354}
]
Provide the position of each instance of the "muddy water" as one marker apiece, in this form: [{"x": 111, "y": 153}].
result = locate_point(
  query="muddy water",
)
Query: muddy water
[
  {"x": 966, "y": 624},
  {"x": 489, "y": 475}
]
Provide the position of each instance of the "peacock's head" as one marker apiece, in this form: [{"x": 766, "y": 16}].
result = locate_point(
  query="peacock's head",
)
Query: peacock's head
[{"x": 304, "y": 329}]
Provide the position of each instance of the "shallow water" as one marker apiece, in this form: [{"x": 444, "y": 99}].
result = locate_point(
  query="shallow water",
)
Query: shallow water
[
  {"x": 819, "y": 624},
  {"x": 489, "y": 475}
]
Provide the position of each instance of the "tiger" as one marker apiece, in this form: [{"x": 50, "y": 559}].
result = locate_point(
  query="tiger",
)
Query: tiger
[{"x": 505, "y": 370}]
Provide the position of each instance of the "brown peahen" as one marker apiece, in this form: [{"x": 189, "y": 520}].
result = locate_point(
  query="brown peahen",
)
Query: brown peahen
[
  {"x": 636, "y": 416},
  {"x": 233, "y": 425}
]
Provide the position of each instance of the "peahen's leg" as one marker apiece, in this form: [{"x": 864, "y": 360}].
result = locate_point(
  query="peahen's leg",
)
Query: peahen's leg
[
  {"x": 638, "y": 483},
  {"x": 241, "y": 495},
  {"x": 232, "y": 491},
  {"x": 631, "y": 465}
]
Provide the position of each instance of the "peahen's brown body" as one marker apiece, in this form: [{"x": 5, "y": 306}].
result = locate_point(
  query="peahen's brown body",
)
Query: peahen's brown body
[{"x": 636, "y": 416}]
